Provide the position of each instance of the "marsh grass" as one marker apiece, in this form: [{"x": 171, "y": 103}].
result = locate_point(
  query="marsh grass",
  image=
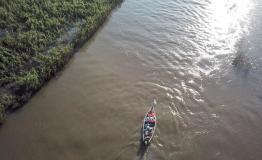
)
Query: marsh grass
[{"x": 30, "y": 49}]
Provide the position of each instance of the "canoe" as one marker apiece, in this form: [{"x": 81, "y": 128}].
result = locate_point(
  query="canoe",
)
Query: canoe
[{"x": 149, "y": 125}]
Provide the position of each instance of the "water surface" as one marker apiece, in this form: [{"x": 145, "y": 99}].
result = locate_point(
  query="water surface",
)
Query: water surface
[{"x": 201, "y": 60}]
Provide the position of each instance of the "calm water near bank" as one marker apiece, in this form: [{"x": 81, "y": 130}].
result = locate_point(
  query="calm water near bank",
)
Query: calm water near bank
[{"x": 201, "y": 60}]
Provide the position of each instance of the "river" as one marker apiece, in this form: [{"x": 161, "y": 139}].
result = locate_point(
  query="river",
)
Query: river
[{"x": 201, "y": 60}]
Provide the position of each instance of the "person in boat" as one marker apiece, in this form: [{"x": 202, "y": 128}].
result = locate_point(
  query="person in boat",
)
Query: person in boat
[
  {"x": 148, "y": 130},
  {"x": 151, "y": 120}
]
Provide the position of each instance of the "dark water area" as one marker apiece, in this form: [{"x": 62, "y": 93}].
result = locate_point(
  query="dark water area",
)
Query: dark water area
[{"x": 201, "y": 60}]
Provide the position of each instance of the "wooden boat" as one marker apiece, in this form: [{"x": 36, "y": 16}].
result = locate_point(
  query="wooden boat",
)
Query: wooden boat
[{"x": 149, "y": 125}]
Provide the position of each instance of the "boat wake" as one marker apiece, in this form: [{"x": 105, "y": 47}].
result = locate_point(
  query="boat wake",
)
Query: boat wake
[{"x": 141, "y": 151}]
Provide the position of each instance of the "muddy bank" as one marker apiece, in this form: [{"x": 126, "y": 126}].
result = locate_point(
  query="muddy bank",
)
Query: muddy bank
[{"x": 38, "y": 38}]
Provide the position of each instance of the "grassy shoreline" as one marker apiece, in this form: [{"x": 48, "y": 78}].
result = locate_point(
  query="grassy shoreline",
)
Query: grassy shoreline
[{"x": 38, "y": 38}]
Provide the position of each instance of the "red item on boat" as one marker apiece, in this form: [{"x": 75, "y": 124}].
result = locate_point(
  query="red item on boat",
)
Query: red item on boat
[
  {"x": 151, "y": 114},
  {"x": 151, "y": 121}
]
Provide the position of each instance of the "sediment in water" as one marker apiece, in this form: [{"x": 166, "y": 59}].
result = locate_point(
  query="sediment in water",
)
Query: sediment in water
[{"x": 38, "y": 38}]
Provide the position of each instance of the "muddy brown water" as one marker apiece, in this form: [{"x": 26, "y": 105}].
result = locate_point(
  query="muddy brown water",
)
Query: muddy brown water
[{"x": 201, "y": 60}]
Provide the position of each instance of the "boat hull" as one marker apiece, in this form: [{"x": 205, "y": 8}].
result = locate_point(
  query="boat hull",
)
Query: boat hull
[{"x": 149, "y": 126}]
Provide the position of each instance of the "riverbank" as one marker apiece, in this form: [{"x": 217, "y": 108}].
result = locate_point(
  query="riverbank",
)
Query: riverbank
[{"x": 38, "y": 38}]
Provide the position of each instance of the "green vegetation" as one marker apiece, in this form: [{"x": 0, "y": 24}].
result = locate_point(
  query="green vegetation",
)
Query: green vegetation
[{"x": 36, "y": 41}]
